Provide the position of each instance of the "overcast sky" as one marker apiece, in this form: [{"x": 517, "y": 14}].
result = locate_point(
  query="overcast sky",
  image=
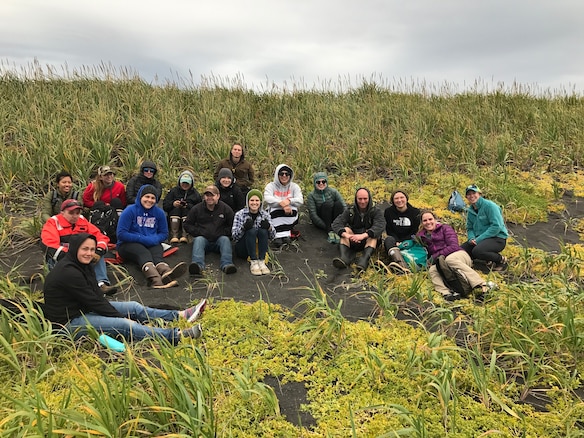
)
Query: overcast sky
[{"x": 305, "y": 43}]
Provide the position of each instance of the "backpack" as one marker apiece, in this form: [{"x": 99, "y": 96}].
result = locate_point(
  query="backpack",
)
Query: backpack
[
  {"x": 455, "y": 280},
  {"x": 456, "y": 202},
  {"x": 105, "y": 218},
  {"x": 55, "y": 200}
]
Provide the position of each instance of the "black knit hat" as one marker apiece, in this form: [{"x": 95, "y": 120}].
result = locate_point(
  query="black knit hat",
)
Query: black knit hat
[{"x": 148, "y": 189}]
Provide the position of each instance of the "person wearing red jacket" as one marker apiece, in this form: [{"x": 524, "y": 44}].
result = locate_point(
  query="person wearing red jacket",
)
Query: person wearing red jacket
[
  {"x": 105, "y": 188},
  {"x": 57, "y": 233}
]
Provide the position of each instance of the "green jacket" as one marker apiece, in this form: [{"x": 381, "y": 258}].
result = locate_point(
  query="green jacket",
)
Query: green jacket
[
  {"x": 318, "y": 197},
  {"x": 485, "y": 220}
]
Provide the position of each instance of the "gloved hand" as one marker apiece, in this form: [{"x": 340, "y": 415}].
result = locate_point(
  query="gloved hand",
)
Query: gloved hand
[
  {"x": 100, "y": 252},
  {"x": 265, "y": 224},
  {"x": 248, "y": 224}
]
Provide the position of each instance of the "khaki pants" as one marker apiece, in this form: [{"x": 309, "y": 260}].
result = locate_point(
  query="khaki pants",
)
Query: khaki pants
[{"x": 457, "y": 260}]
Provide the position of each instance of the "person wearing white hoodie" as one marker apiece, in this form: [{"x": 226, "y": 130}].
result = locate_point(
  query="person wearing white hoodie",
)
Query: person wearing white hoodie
[{"x": 282, "y": 198}]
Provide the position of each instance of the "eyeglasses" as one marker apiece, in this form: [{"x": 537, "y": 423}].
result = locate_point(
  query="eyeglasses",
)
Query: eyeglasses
[
  {"x": 284, "y": 173},
  {"x": 322, "y": 181},
  {"x": 149, "y": 169}
]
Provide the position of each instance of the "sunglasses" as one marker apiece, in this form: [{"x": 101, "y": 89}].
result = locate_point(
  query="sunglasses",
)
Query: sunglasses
[
  {"x": 322, "y": 181},
  {"x": 148, "y": 169},
  {"x": 284, "y": 173}
]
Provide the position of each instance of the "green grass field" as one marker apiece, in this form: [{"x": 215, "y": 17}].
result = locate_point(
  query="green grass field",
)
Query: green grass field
[{"x": 377, "y": 378}]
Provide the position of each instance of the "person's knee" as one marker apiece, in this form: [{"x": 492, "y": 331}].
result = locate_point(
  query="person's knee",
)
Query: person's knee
[{"x": 389, "y": 242}]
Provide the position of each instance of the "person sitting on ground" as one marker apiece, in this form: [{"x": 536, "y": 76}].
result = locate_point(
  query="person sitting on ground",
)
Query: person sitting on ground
[
  {"x": 104, "y": 188},
  {"x": 142, "y": 228},
  {"x": 252, "y": 230},
  {"x": 402, "y": 221},
  {"x": 360, "y": 226},
  {"x": 485, "y": 229},
  {"x": 324, "y": 204},
  {"x": 73, "y": 301},
  {"x": 283, "y": 197},
  {"x": 441, "y": 240},
  {"x": 229, "y": 192},
  {"x": 241, "y": 168},
  {"x": 178, "y": 202},
  {"x": 54, "y": 198},
  {"x": 58, "y": 231},
  {"x": 147, "y": 175},
  {"x": 210, "y": 222}
]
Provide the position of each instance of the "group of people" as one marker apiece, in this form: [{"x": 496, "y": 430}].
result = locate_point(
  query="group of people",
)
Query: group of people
[{"x": 230, "y": 212}]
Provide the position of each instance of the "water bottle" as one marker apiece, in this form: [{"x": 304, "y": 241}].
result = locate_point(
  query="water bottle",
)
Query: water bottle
[{"x": 111, "y": 343}]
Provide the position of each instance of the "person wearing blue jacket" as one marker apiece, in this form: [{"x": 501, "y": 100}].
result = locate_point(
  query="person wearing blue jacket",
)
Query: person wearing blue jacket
[
  {"x": 142, "y": 228},
  {"x": 486, "y": 230}
]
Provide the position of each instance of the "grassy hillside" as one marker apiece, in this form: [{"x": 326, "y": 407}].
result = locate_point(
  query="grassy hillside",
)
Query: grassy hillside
[{"x": 377, "y": 378}]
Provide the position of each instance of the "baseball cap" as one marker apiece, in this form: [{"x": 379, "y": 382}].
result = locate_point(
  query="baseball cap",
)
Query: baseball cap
[
  {"x": 211, "y": 189},
  {"x": 472, "y": 188},
  {"x": 104, "y": 170},
  {"x": 185, "y": 179},
  {"x": 71, "y": 204}
]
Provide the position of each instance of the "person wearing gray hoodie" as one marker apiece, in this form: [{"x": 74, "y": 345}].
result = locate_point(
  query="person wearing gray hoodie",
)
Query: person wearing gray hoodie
[
  {"x": 178, "y": 202},
  {"x": 282, "y": 197}
]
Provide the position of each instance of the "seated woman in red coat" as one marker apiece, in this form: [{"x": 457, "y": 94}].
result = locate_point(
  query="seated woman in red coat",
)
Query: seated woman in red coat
[{"x": 105, "y": 188}]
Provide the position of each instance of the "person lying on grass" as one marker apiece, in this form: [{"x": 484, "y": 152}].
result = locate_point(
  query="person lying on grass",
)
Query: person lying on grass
[{"x": 73, "y": 301}]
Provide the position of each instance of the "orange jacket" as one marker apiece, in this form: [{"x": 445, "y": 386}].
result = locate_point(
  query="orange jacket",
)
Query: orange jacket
[{"x": 57, "y": 231}]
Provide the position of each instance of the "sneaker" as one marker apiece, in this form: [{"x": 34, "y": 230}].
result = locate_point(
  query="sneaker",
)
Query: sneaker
[
  {"x": 194, "y": 332},
  {"x": 452, "y": 297},
  {"x": 229, "y": 269},
  {"x": 107, "y": 289},
  {"x": 195, "y": 269},
  {"x": 263, "y": 267},
  {"x": 195, "y": 312},
  {"x": 331, "y": 237},
  {"x": 254, "y": 267}
]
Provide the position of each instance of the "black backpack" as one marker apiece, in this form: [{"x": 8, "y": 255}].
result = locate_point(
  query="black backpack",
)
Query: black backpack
[
  {"x": 455, "y": 280},
  {"x": 105, "y": 218}
]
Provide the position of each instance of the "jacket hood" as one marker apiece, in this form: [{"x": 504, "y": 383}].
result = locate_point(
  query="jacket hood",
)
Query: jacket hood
[
  {"x": 145, "y": 189},
  {"x": 74, "y": 244},
  {"x": 224, "y": 173},
  {"x": 148, "y": 163},
  {"x": 186, "y": 173},
  {"x": 317, "y": 177},
  {"x": 280, "y": 167},
  {"x": 369, "y": 205}
]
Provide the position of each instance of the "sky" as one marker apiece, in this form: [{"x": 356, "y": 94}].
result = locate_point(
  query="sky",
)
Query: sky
[{"x": 454, "y": 45}]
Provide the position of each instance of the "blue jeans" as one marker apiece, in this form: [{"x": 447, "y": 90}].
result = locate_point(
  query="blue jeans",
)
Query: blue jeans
[
  {"x": 130, "y": 327},
  {"x": 201, "y": 246},
  {"x": 246, "y": 246},
  {"x": 99, "y": 267}
]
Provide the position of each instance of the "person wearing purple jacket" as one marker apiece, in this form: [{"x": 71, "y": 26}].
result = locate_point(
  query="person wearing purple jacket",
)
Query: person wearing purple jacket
[{"x": 441, "y": 240}]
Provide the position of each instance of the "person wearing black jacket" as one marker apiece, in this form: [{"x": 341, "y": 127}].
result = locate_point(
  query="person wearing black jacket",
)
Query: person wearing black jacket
[
  {"x": 360, "y": 226},
  {"x": 74, "y": 301},
  {"x": 178, "y": 202},
  {"x": 229, "y": 192},
  {"x": 147, "y": 175},
  {"x": 402, "y": 220}
]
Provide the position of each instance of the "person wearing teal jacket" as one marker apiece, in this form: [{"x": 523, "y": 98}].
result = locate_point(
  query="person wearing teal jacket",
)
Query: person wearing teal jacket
[
  {"x": 324, "y": 204},
  {"x": 486, "y": 230}
]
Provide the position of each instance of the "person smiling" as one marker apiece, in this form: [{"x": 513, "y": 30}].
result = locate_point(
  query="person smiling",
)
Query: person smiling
[
  {"x": 73, "y": 301},
  {"x": 105, "y": 188},
  {"x": 485, "y": 229},
  {"x": 147, "y": 175},
  {"x": 324, "y": 204},
  {"x": 54, "y": 198},
  {"x": 402, "y": 220}
]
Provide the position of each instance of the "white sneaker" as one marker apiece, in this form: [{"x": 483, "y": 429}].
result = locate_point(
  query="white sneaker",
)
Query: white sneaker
[
  {"x": 263, "y": 268},
  {"x": 254, "y": 267}
]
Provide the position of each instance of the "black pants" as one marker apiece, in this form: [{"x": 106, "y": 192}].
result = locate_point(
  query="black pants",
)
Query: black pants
[
  {"x": 487, "y": 249},
  {"x": 140, "y": 254},
  {"x": 328, "y": 212}
]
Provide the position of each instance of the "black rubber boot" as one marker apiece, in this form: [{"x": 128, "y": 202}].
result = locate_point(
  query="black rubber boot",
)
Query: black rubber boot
[
  {"x": 345, "y": 258},
  {"x": 363, "y": 262}
]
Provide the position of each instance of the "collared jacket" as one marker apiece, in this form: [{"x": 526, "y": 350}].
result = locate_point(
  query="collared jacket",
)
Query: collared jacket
[
  {"x": 242, "y": 170},
  {"x": 370, "y": 221},
  {"x": 116, "y": 190},
  {"x": 58, "y": 231},
  {"x": 442, "y": 241},
  {"x": 140, "y": 180},
  {"x": 485, "y": 220},
  {"x": 71, "y": 290},
  {"x": 211, "y": 224},
  {"x": 237, "y": 231},
  {"x": 138, "y": 224}
]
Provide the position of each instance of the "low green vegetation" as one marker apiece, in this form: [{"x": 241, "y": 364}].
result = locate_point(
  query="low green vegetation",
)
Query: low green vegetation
[{"x": 511, "y": 366}]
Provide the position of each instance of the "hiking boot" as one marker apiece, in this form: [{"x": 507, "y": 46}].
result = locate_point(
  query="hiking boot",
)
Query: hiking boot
[
  {"x": 501, "y": 266},
  {"x": 195, "y": 269},
  {"x": 169, "y": 274},
  {"x": 254, "y": 267},
  {"x": 107, "y": 289},
  {"x": 229, "y": 269},
  {"x": 263, "y": 267},
  {"x": 452, "y": 297},
  {"x": 194, "y": 332},
  {"x": 154, "y": 278},
  {"x": 195, "y": 312}
]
